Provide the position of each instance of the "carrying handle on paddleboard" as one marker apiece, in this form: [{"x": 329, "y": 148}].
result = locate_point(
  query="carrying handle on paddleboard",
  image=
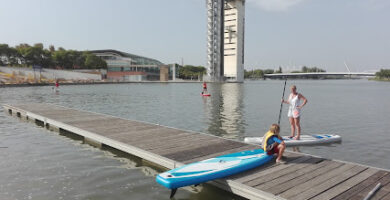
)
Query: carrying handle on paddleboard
[{"x": 281, "y": 104}]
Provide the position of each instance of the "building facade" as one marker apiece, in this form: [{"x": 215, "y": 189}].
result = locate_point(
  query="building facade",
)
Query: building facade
[
  {"x": 225, "y": 50},
  {"x": 129, "y": 67}
]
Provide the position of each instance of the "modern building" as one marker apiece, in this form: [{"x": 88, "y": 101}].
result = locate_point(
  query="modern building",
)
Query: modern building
[
  {"x": 129, "y": 67},
  {"x": 226, "y": 19}
]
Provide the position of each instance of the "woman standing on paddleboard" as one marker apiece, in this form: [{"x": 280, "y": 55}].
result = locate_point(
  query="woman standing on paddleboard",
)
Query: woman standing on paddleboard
[{"x": 294, "y": 111}]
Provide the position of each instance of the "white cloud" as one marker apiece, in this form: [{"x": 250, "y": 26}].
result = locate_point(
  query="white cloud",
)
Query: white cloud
[{"x": 275, "y": 5}]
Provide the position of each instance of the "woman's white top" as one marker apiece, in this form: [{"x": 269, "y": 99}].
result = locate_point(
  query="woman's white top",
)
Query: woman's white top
[{"x": 294, "y": 101}]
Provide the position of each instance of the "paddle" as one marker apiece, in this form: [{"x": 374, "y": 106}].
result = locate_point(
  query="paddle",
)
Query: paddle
[{"x": 281, "y": 104}]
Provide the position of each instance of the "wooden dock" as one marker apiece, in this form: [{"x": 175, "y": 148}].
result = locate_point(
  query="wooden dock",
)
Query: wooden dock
[{"x": 303, "y": 177}]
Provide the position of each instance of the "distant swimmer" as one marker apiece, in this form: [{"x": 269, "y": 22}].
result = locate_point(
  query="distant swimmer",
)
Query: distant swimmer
[{"x": 294, "y": 111}]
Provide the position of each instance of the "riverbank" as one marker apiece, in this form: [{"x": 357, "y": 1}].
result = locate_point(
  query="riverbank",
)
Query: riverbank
[
  {"x": 379, "y": 79},
  {"x": 88, "y": 83}
]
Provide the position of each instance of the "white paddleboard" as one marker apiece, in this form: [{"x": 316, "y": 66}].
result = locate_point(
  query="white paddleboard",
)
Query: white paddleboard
[{"x": 304, "y": 140}]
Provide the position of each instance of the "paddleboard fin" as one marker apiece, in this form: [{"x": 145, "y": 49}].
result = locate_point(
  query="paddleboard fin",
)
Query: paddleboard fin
[{"x": 173, "y": 192}]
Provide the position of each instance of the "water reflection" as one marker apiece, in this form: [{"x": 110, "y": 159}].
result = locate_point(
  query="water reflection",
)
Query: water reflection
[{"x": 225, "y": 110}]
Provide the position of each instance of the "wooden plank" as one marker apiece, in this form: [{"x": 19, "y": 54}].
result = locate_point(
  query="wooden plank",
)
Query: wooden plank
[
  {"x": 333, "y": 192},
  {"x": 363, "y": 193},
  {"x": 264, "y": 175},
  {"x": 291, "y": 169},
  {"x": 66, "y": 115},
  {"x": 194, "y": 146},
  {"x": 187, "y": 144},
  {"x": 204, "y": 150},
  {"x": 315, "y": 181},
  {"x": 157, "y": 142},
  {"x": 104, "y": 122},
  {"x": 175, "y": 139},
  {"x": 61, "y": 114},
  {"x": 177, "y": 148},
  {"x": 136, "y": 133},
  {"x": 301, "y": 170},
  {"x": 387, "y": 197},
  {"x": 220, "y": 153},
  {"x": 383, "y": 191},
  {"x": 201, "y": 150},
  {"x": 330, "y": 183},
  {"x": 136, "y": 141},
  {"x": 257, "y": 172},
  {"x": 166, "y": 142},
  {"x": 130, "y": 130},
  {"x": 323, "y": 167},
  {"x": 75, "y": 118},
  {"x": 146, "y": 133},
  {"x": 39, "y": 107},
  {"x": 362, "y": 185}
]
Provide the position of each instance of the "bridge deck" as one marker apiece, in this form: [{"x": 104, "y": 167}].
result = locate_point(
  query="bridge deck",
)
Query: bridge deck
[
  {"x": 303, "y": 177},
  {"x": 318, "y": 74}
]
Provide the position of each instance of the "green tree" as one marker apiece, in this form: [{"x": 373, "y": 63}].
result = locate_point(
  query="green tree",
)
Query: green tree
[
  {"x": 34, "y": 55},
  {"x": 304, "y": 69},
  {"x": 190, "y": 71},
  {"x": 94, "y": 62},
  {"x": 255, "y": 74},
  {"x": 312, "y": 69},
  {"x": 52, "y": 48},
  {"x": 61, "y": 59},
  {"x": 268, "y": 71},
  {"x": 8, "y": 55},
  {"x": 383, "y": 73},
  {"x": 26, "y": 55}
]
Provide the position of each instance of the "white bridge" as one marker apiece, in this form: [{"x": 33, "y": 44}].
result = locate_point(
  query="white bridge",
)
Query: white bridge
[{"x": 318, "y": 74}]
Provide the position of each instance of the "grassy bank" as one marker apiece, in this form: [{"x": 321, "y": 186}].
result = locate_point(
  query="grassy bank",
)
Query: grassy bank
[{"x": 380, "y": 79}]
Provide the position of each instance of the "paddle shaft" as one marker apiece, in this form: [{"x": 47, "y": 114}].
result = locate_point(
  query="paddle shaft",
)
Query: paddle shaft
[{"x": 281, "y": 104}]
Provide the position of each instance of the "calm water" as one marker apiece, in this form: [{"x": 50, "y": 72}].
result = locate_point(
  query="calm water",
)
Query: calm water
[{"x": 39, "y": 164}]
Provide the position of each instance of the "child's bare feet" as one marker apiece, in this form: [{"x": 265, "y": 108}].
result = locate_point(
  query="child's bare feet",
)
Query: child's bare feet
[{"x": 280, "y": 161}]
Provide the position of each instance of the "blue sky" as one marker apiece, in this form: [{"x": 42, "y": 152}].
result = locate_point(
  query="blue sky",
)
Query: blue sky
[{"x": 283, "y": 33}]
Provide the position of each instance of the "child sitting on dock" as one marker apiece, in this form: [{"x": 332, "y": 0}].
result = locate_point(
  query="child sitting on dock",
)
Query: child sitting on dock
[{"x": 273, "y": 143}]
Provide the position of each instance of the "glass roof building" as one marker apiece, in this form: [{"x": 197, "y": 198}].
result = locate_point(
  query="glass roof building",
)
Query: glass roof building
[
  {"x": 116, "y": 58},
  {"x": 124, "y": 66}
]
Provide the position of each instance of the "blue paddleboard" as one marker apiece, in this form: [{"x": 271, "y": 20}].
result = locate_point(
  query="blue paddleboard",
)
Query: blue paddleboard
[{"x": 213, "y": 168}]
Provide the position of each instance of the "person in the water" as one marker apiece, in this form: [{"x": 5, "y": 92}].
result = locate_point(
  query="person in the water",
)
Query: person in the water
[{"x": 273, "y": 143}]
